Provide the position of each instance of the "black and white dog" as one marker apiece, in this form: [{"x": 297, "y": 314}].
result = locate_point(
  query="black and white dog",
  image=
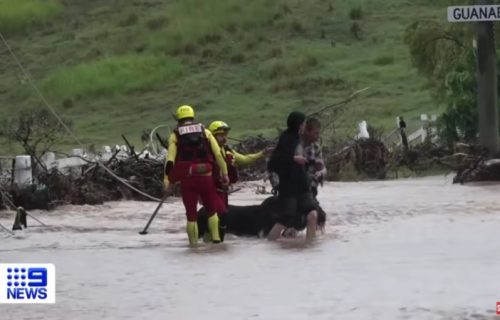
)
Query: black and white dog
[{"x": 254, "y": 220}]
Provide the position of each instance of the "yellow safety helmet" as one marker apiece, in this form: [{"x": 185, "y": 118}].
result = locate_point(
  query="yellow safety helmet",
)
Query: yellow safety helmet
[
  {"x": 184, "y": 112},
  {"x": 218, "y": 127}
]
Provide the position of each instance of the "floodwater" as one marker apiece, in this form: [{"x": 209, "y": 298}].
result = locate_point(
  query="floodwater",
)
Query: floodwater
[{"x": 404, "y": 249}]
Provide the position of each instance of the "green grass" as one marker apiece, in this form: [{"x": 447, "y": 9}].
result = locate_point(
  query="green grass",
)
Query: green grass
[
  {"x": 17, "y": 15},
  {"x": 194, "y": 22},
  {"x": 111, "y": 76},
  {"x": 127, "y": 64}
]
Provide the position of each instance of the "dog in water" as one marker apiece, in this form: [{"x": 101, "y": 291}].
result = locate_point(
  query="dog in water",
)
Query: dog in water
[{"x": 254, "y": 220}]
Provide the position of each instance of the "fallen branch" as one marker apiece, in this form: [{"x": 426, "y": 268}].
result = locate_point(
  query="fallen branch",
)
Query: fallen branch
[
  {"x": 163, "y": 144},
  {"x": 130, "y": 147},
  {"x": 338, "y": 104}
]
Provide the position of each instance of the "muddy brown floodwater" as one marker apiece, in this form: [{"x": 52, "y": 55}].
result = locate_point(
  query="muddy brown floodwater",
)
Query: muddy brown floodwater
[{"x": 404, "y": 249}]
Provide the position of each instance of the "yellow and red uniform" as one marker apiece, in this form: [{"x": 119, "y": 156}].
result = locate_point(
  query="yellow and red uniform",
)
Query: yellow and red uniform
[
  {"x": 193, "y": 153},
  {"x": 233, "y": 160}
]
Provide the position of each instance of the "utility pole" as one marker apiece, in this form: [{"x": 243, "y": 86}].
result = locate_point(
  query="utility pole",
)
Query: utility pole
[{"x": 487, "y": 84}]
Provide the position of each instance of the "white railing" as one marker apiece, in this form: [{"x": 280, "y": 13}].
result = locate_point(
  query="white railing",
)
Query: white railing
[{"x": 416, "y": 131}]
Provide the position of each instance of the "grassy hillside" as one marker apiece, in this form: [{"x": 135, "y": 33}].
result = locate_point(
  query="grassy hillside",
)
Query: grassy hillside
[{"x": 121, "y": 66}]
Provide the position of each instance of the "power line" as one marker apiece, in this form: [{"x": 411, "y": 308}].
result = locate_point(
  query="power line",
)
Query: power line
[
  {"x": 30, "y": 80},
  {"x": 52, "y": 110}
]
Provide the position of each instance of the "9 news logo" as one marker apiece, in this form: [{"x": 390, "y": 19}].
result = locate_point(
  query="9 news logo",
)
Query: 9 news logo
[{"x": 27, "y": 283}]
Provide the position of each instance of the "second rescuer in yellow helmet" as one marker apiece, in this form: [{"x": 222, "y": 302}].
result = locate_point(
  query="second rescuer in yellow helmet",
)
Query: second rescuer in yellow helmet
[
  {"x": 218, "y": 127},
  {"x": 220, "y": 130}
]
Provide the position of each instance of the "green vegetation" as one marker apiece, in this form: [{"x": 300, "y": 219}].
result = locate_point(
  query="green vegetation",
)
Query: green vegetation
[
  {"x": 20, "y": 15},
  {"x": 111, "y": 76},
  {"x": 122, "y": 66},
  {"x": 193, "y": 22}
]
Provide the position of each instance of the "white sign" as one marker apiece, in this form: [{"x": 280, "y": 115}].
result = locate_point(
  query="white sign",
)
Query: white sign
[
  {"x": 474, "y": 13},
  {"x": 190, "y": 129}
]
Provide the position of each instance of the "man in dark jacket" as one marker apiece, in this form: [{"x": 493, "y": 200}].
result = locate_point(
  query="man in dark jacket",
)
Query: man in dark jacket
[{"x": 288, "y": 162}]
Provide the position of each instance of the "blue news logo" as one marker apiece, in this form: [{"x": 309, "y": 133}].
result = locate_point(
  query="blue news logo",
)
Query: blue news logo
[
  {"x": 34, "y": 287},
  {"x": 27, "y": 283}
]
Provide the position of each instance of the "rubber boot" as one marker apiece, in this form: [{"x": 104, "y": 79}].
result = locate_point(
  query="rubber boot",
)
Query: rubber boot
[
  {"x": 17, "y": 221},
  {"x": 192, "y": 231},
  {"x": 24, "y": 214},
  {"x": 213, "y": 228},
  {"x": 222, "y": 226}
]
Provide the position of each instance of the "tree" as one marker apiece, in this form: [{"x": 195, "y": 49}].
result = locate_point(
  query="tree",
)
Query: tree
[
  {"x": 460, "y": 120},
  {"x": 443, "y": 52},
  {"x": 36, "y": 130},
  {"x": 436, "y": 49}
]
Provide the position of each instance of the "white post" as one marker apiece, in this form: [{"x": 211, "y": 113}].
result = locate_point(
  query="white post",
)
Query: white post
[
  {"x": 363, "y": 130},
  {"x": 424, "y": 119},
  {"x": 23, "y": 175}
]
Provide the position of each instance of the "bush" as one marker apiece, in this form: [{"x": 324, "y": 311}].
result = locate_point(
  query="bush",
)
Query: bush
[
  {"x": 356, "y": 30},
  {"x": 130, "y": 20},
  {"x": 289, "y": 67},
  {"x": 237, "y": 58},
  {"x": 383, "y": 60},
  {"x": 156, "y": 23},
  {"x": 296, "y": 27},
  {"x": 356, "y": 13}
]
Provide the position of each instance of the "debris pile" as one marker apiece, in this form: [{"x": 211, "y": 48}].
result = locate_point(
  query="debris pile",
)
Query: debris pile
[
  {"x": 476, "y": 164},
  {"x": 368, "y": 156},
  {"x": 95, "y": 182}
]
